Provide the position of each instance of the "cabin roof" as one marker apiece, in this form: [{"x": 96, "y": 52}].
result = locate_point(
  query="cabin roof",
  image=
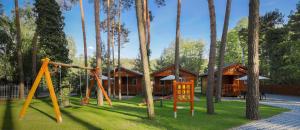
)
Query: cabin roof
[
  {"x": 226, "y": 67},
  {"x": 173, "y": 67},
  {"x": 130, "y": 71}
]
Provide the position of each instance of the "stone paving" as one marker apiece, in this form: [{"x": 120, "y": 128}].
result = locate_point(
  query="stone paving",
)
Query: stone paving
[{"x": 284, "y": 121}]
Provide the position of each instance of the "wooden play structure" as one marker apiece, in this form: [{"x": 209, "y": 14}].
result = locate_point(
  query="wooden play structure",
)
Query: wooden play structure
[
  {"x": 183, "y": 92},
  {"x": 44, "y": 70},
  {"x": 95, "y": 74},
  {"x": 231, "y": 86}
]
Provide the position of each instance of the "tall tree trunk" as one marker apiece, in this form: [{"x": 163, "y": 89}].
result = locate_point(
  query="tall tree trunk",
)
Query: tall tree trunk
[
  {"x": 252, "y": 100},
  {"x": 177, "y": 57},
  {"x": 108, "y": 47},
  {"x": 119, "y": 50},
  {"x": 19, "y": 52},
  {"x": 113, "y": 55},
  {"x": 34, "y": 53},
  {"x": 212, "y": 58},
  {"x": 222, "y": 53},
  {"x": 98, "y": 48},
  {"x": 143, "y": 50},
  {"x": 84, "y": 44},
  {"x": 33, "y": 58},
  {"x": 148, "y": 27}
]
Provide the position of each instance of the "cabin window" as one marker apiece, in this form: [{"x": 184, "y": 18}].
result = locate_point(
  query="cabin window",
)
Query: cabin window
[
  {"x": 124, "y": 80},
  {"x": 162, "y": 82},
  {"x": 133, "y": 81}
]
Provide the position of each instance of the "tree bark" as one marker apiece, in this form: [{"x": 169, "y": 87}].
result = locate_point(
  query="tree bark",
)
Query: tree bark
[
  {"x": 148, "y": 27},
  {"x": 177, "y": 57},
  {"x": 19, "y": 52},
  {"x": 222, "y": 52},
  {"x": 143, "y": 50},
  {"x": 119, "y": 51},
  {"x": 84, "y": 44},
  {"x": 108, "y": 47},
  {"x": 34, "y": 53},
  {"x": 212, "y": 57},
  {"x": 252, "y": 99},
  {"x": 98, "y": 48},
  {"x": 33, "y": 58},
  {"x": 113, "y": 54}
]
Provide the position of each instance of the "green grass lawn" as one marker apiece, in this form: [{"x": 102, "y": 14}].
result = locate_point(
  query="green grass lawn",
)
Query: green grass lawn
[{"x": 125, "y": 114}]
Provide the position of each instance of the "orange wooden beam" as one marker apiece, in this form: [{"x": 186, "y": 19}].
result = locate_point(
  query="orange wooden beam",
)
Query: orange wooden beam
[
  {"x": 43, "y": 70},
  {"x": 99, "y": 84}
]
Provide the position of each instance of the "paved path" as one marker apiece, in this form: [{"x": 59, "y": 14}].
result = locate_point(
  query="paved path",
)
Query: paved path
[{"x": 284, "y": 121}]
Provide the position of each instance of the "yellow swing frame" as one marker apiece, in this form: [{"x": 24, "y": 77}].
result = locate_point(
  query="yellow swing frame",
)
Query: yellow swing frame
[{"x": 45, "y": 71}]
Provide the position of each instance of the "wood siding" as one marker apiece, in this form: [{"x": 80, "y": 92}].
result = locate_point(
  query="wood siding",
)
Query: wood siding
[
  {"x": 292, "y": 90},
  {"x": 129, "y": 79},
  {"x": 230, "y": 85},
  {"x": 165, "y": 87}
]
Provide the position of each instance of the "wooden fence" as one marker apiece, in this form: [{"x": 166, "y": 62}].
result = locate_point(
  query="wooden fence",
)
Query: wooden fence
[
  {"x": 292, "y": 90},
  {"x": 10, "y": 91}
]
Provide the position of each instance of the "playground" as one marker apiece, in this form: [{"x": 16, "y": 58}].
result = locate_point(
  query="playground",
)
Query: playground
[{"x": 126, "y": 114}]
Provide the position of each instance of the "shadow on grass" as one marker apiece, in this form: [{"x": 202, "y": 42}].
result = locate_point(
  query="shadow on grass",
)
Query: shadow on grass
[
  {"x": 117, "y": 109},
  {"x": 43, "y": 113},
  {"x": 8, "y": 123},
  {"x": 120, "y": 110},
  {"x": 82, "y": 122},
  {"x": 76, "y": 119}
]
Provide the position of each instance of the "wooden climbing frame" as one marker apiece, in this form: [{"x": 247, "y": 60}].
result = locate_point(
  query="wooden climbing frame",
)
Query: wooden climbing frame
[
  {"x": 44, "y": 70},
  {"x": 183, "y": 92},
  {"x": 99, "y": 84}
]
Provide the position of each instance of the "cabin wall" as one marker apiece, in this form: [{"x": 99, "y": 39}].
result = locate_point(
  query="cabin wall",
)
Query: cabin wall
[
  {"x": 203, "y": 85},
  {"x": 166, "y": 87},
  {"x": 162, "y": 87},
  {"x": 133, "y": 89},
  {"x": 230, "y": 87}
]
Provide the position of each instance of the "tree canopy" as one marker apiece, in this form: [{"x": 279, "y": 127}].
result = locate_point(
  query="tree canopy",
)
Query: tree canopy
[
  {"x": 279, "y": 46},
  {"x": 191, "y": 55}
]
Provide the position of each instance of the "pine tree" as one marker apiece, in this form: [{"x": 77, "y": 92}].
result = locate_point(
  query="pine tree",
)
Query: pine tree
[
  {"x": 252, "y": 99},
  {"x": 294, "y": 24},
  {"x": 144, "y": 58},
  {"x": 50, "y": 27},
  {"x": 212, "y": 57},
  {"x": 177, "y": 58},
  {"x": 222, "y": 53},
  {"x": 19, "y": 51}
]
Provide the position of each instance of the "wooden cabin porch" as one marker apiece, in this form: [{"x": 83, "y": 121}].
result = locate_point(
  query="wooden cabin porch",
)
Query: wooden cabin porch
[
  {"x": 230, "y": 85},
  {"x": 165, "y": 87}
]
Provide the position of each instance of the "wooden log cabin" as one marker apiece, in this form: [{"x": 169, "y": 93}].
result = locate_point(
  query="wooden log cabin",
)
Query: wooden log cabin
[
  {"x": 230, "y": 85},
  {"x": 131, "y": 82},
  {"x": 164, "y": 87}
]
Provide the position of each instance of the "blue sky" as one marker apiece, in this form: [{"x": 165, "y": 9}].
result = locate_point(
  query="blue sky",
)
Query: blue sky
[{"x": 194, "y": 22}]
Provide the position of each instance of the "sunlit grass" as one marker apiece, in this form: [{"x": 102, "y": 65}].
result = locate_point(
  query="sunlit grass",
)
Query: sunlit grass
[{"x": 126, "y": 114}]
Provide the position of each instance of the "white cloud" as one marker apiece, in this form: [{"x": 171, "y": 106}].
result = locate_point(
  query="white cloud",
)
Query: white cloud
[{"x": 91, "y": 48}]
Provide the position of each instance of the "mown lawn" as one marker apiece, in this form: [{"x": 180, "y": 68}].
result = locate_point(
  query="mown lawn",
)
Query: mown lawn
[{"x": 126, "y": 114}]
